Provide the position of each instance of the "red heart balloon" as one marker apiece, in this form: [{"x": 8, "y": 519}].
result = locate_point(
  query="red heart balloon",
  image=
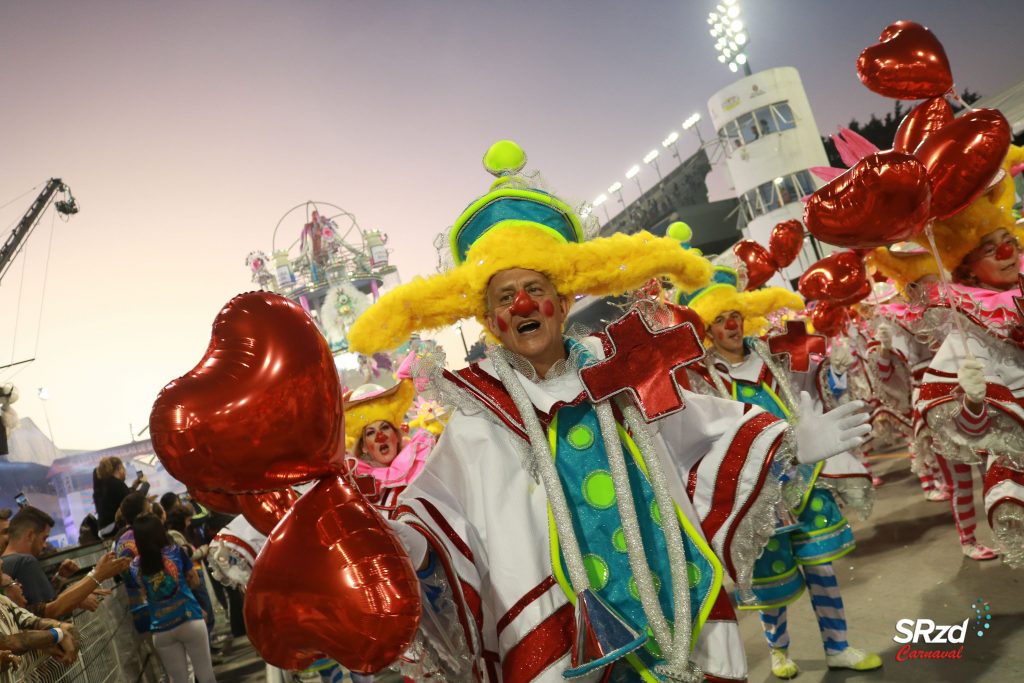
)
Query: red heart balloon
[
  {"x": 786, "y": 240},
  {"x": 829, "y": 318},
  {"x": 922, "y": 121},
  {"x": 909, "y": 63},
  {"x": 670, "y": 315},
  {"x": 884, "y": 198},
  {"x": 265, "y": 510},
  {"x": 760, "y": 266},
  {"x": 219, "y": 502},
  {"x": 962, "y": 157},
  {"x": 862, "y": 293},
  {"x": 261, "y": 411},
  {"x": 836, "y": 277},
  {"x": 332, "y": 580}
]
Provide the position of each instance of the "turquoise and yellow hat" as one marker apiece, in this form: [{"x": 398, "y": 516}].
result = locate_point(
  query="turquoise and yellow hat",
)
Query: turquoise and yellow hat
[
  {"x": 518, "y": 225},
  {"x": 722, "y": 295}
]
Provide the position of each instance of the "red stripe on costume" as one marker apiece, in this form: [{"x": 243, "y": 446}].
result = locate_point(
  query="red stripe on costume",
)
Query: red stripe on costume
[
  {"x": 521, "y": 604},
  {"x": 235, "y": 540},
  {"x": 691, "y": 481},
  {"x": 540, "y": 648},
  {"x": 473, "y": 603},
  {"x": 442, "y": 523},
  {"x": 722, "y": 610},
  {"x": 765, "y": 467},
  {"x": 491, "y": 393},
  {"x": 492, "y": 660},
  {"x": 724, "y": 497}
]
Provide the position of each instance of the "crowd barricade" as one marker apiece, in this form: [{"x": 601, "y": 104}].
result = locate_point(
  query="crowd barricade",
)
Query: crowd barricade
[{"x": 112, "y": 651}]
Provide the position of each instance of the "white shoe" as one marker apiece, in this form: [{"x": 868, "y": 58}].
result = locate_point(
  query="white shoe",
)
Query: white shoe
[
  {"x": 853, "y": 658},
  {"x": 978, "y": 552},
  {"x": 782, "y": 666}
]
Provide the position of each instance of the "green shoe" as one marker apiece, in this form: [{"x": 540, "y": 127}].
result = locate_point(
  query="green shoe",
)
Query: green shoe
[{"x": 782, "y": 666}]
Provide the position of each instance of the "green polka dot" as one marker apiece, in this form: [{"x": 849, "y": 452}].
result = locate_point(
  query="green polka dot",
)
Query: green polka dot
[
  {"x": 652, "y": 644},
  {"x": 598, "y": 490},
  {"x": 778, "y": 566},
  {"x": 773, "y": 544},
  {"x": 692, "y": 574},
  {"x": 619, "y": 541},
  {"x": 748, "y": 391},
  {"x": 820, "y": 521},
  {"x": 655, "y": 512},
  {"x": 817, "y": 504},
  {"x": 634, "y": 592},
  {"x": 597, "y": 571},
  {"x": 580, "y": 437}
]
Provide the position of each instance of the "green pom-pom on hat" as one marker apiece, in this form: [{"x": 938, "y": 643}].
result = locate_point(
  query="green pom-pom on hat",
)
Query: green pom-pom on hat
[
  {"x": 504, "y": 158},
  {"x": 679, "y": 231}
]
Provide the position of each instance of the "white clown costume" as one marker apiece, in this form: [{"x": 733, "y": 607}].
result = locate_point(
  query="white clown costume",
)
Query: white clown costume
[{"x": 559, "y": 535}]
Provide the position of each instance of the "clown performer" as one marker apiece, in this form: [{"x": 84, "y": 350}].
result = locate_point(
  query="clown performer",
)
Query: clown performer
[
  {"x": 376, "y": 435},
  {"x": 567, "y": 534},
  {"x": 901, "y": 341},
  {"x": 812, "y": 532},
  {"x": 972, "y": 395}
]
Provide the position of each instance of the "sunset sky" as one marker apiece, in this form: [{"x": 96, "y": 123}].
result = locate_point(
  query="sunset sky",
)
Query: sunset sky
[{"x": 186, "y": 129}]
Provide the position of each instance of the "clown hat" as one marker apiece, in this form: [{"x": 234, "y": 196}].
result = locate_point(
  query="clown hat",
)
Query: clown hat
[
  {"x": 959, "y": 235},
  {"x": 371, "y": 403},
  {"x": 518, "y": 225},
  {"x": 903, "y": 267},
  {"x": 724, "y": 295}
]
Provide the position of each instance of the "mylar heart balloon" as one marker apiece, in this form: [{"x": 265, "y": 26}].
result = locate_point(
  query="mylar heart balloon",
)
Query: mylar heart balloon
[
  {"x": 334, "y": 580},
  {"x": 829, "y": 318},
  {"x": 760, "y": 266},
  {"x": 265, "y": 510},
  {"x": 883, "y": 199},
  {"x": 909, "y": 63},
  {"x": 862, "y": 293},
  {"x": 785, "y": 242},
  {"x": 838, "y": 276},
  {"x": 962, "y": 157},
  {"x": 219, "y": 502},
  {"x": 922, "y": 121},
  {"x": 262, "y": 409},
  {"x": 670, "y": 315}
]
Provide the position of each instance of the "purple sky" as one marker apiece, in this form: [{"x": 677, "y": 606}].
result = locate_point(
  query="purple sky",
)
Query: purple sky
[{"x": 187, "y": 128}]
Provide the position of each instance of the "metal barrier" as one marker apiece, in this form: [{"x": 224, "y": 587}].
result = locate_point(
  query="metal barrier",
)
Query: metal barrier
[{"x": 111, "y": 650}]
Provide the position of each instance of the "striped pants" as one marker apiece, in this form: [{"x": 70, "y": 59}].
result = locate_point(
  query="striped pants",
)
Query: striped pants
[
  {"x": 961, "y": 479},
  {"x": 828, "y": 608}
]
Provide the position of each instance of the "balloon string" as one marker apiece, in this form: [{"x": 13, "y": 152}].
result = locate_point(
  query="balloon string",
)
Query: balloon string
[{"x": 947, "y": 288}]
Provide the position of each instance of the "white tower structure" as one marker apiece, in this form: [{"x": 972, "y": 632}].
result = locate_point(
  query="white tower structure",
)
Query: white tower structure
[{"x": 766, "y": 125}]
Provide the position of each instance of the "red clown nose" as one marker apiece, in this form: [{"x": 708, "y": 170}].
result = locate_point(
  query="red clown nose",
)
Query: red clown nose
[
  {"x": 1005, "y": 251},
  {"x": 522, "y": 304}
]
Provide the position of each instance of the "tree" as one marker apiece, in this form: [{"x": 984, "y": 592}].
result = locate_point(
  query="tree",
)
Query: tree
[{"x": 881, "y": 132}]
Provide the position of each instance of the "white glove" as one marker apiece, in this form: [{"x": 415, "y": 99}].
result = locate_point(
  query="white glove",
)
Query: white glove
[
  {"x": 972, "y": 380},
  {"x": 821, "y": 435},
  {"x": 884, "y": 336},
  {"x": 841, "y": 357},
  {"x": 415, "y": 543}
]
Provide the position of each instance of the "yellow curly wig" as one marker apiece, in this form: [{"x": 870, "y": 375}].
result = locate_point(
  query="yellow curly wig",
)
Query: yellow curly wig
[
  {"x": 901, "y": 267},
  {"x": 601, "y": 267},
  {"x": 959, "y": 235}
]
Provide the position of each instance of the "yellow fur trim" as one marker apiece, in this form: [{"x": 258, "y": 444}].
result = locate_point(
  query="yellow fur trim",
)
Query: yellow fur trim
[
  {"x": 959, "y": 235},
  {"x": 601, "y": 267},
  {"x": 753, "y": 306},
  {"x": 391, "y": 406},
  {"x": 901, "y": 267}
]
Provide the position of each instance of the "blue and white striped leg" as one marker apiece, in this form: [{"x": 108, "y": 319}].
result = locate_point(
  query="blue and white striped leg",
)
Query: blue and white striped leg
[
  {"x": 774, "y": 623},
  {"x": 828, "y": 606}
]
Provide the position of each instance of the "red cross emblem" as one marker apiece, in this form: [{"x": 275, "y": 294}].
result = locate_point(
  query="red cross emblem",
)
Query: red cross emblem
[
  {"x": 644, "y": 363},
  {"x": 797, "y": 344}
]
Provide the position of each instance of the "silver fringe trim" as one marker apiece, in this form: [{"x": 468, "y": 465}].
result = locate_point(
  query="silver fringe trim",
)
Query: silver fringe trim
[
  {"x": 1004, "y": 438},
  {"x": 1008, "y": 527},
  {"x": 856, "y": 493}
]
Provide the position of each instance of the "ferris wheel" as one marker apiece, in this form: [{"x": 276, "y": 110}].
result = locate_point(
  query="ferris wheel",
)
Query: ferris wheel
[{"x": 324, "y": 261}]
